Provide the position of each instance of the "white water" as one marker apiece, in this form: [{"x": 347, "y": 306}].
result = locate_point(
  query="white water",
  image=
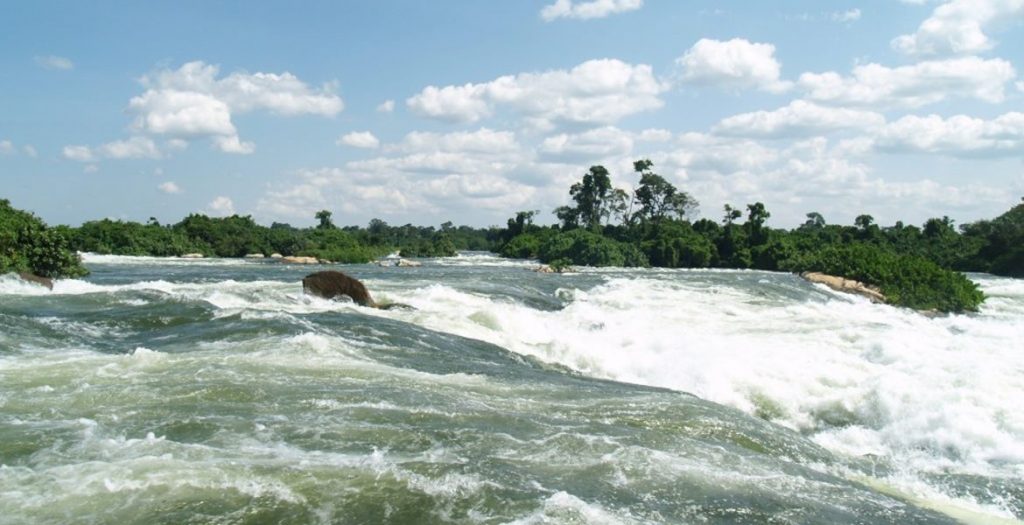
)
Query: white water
[{"x": 923, "y": 395}]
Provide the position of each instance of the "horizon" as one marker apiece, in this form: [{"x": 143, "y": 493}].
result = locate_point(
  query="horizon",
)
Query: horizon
[{"x": 904, "y": 109}]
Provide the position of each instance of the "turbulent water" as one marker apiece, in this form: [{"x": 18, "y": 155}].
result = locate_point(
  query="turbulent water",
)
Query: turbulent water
[{"x": 213, "y": 391}]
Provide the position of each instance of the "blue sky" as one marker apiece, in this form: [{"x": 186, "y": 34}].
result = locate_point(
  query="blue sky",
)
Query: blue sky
[{"x": 468, "y": 111}]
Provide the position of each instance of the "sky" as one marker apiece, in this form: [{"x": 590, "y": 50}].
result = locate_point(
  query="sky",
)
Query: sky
[{"x": 469, "y": 111}]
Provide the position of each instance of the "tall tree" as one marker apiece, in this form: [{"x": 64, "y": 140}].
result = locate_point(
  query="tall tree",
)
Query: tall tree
[{"x": 324, "y": 217}]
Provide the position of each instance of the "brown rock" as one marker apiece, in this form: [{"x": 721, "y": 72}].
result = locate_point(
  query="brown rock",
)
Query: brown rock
[
  {"x": 300, "y": 260},
  {"x": 840, "y": 284},
  {"x": 330, "y": 284},
  {"x": 33, "y": 278}
]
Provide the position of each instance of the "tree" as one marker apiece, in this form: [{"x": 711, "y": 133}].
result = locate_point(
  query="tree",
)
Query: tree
[
  {"x": 731, "y": 214},
  {"x": 864, "y": 222},
  {"x": 324, "y": 217},
  {"x": 592, "y": 197},
  {"x": 814, "y": 220},
  {"x": 756, "y": 218},
  {"x": 657, "y": 197}
]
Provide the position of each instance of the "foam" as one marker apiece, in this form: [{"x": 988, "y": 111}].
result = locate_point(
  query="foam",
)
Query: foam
[{"x": 928, "y": 395}]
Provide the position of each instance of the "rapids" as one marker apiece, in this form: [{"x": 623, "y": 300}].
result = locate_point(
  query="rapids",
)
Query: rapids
[{"x": 179, "y": 391}]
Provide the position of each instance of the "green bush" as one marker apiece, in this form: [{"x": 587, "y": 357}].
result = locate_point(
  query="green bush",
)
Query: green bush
[
  {"x": 27, "y": 245},
  {"x": 586, "y": 248}
]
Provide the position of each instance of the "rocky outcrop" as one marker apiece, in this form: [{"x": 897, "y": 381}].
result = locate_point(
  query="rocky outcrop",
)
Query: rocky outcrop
[
  {"x": 544, "y": 269},
  {"x": 254, "y": 256},
  {"x": 841, "y": 284},
  {"x": 300, "y": 260},
  {"x": 33, "y": 278},
  {"x": 276, "y": 256}
]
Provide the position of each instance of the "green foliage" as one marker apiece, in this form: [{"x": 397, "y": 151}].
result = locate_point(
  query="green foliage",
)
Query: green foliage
[
  {"x": 27, "y": 245},
  {"x": 584, "y": 247}
]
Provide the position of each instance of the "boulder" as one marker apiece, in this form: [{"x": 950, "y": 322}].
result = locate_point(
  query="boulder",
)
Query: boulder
[
  {"x": 276, "y": 256},
  {"x": 841, "y": 284},
  {"x": 544, "y": 269},
  {"x": 408, "y": 264},
  {"x": 254, "y": 256},
  {"x": 33, "y": 278},
  {"x": 330, "y": 284},
  {"x": 192, "y": 256},
  {"x": 300, "y": 260}
]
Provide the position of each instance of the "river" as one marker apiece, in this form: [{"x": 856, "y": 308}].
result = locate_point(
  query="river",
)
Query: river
[{"x": 214, "y": 391}]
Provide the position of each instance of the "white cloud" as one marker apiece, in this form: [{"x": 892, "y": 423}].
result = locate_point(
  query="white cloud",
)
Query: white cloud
[
  {"x": 91, "y": 168},
  {"x": 483, "y": 141},
  {"x": 732, "y": 64},
  {"x": 170, "y": 187},
  {"x": 586, "y": 10},
  {"x": 1020, "y": 86},
  {"x": 54, "y": 62},
  {"x": 30, "y": 150},
  {"x": 799, "y": 118},
  {"x": 654, "y": 135},
  {"x": 137, "y": 147},
  {"x": 958, "y": 27},
  {"x": 590, "y": 145},
  {"x": 359, "y": 139},
  {"x": 132, "y": 148},
  {"x": 960, "y": 135},
  {"x": 484, "y": 173},
  {"x": 79, "y": 153},
  {"x": 387, "y": 106},
  {"x": 596, "y": 91},
  {"x": 912, "y": 86},
  {"x": 221, "y": 207},
  {"x": 192, "y": 101},
  {"x": 850, "y": 15},
  {"x": 6, "y": 147}
]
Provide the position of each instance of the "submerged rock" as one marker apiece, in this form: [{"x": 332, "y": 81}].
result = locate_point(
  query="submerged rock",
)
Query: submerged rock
[
  {"x": 33, "y": 278},
  {"x": 294, "y": 259},
  {"x": 841, "y": 284}
]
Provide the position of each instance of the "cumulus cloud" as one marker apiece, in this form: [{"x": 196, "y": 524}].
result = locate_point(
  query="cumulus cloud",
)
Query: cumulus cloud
[
  {"x": 193, "y": 101},
  {"x": 387, "y": 106},
  {"x": 359, "y": 139},
  {"x": 960, "y": 135},
  {"x": 732, "y": 64},
  {"x": 483, "y": 172},
  {"x": 6, "y": 147},
  {"x": 798, "y": 119},
  {"x": 221, "y": 207},
  {"x": 54, "y": 62},
  {"x": 30, "y": 150},
  {"x": 589, "y": 146},
  {"x": 587, "y": 10},
  {"x": 914, "y": 85},
  {"x": 170, "y": 187},
  {"x": 596, "y": 91},
  {"x": 958, "y": 27}
]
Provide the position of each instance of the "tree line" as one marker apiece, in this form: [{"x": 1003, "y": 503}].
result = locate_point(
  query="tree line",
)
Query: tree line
[{"x": 654, "y": 226}]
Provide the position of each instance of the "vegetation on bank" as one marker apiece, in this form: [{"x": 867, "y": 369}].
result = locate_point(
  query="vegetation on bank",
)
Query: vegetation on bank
[
  {"x": 238, "y": 236},
  {"x": 28, "y": 245},
  {"x": 654, "y": 225},
  {"x": 917, "y": 267}
]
